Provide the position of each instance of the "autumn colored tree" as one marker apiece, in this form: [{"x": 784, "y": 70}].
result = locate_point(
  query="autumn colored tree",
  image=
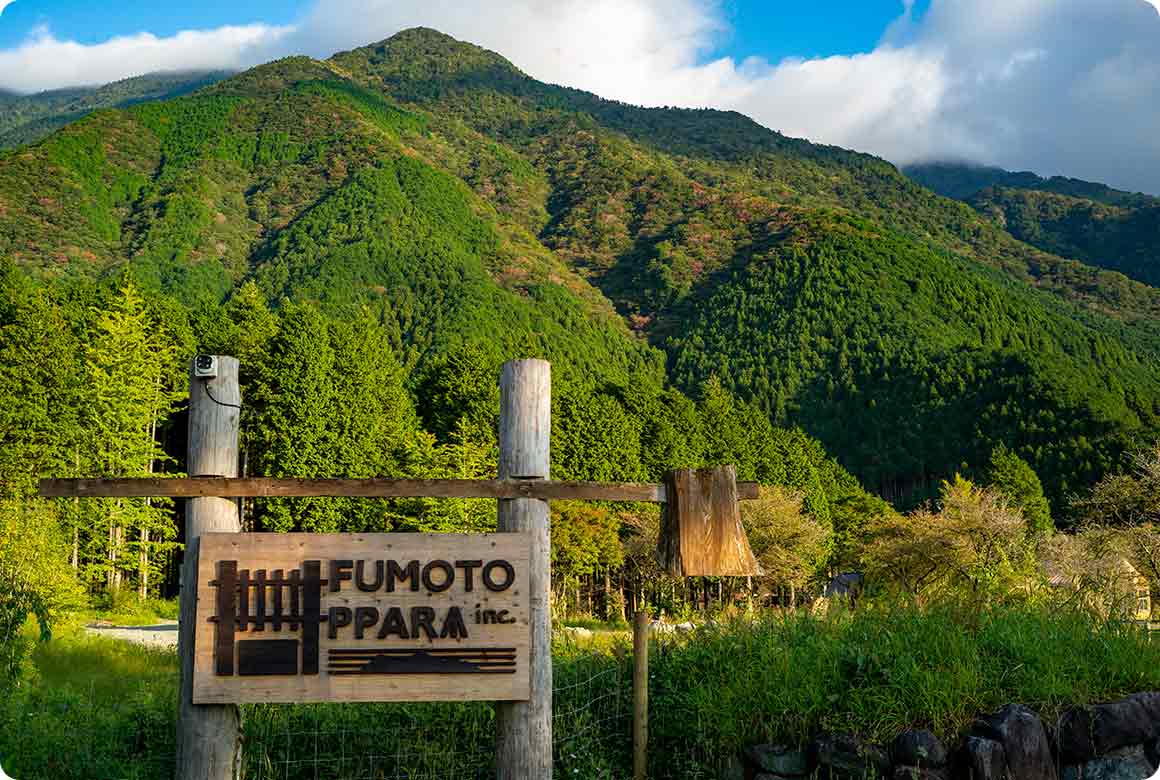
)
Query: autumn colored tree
[{"x": 790, "y": 546}]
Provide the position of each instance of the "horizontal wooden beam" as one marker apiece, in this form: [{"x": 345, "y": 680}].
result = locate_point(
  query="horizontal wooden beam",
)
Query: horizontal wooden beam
[{"x": 194, "y": 487}]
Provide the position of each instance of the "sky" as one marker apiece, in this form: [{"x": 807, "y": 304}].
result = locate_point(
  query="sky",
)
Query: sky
[{"x": 1067, "y": 87}]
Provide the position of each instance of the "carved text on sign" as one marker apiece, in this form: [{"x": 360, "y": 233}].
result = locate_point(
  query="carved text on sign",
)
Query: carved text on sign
[{"x": 388, "y": 617}]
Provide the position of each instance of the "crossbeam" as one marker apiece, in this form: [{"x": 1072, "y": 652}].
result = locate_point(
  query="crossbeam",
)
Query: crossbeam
[{"x": 270, "y": 487}]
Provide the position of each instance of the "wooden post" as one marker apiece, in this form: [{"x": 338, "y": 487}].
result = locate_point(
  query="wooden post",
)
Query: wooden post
[
  {"x": 640, "y": 629},
  {"x": 524, "y": 729},
  {"x": 208, "y": 743},
  {"x": 701, "y": 532}
]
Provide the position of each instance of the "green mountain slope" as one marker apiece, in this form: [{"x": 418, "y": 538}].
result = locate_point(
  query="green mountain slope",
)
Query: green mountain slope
[
  {"x": 1119, "y": 238},
  {"x": 961, "y": 181},
  {"x": 431, "y": 185},
  {"x": 1086, "y": 221},
  {"x": 28, "y": 118}
]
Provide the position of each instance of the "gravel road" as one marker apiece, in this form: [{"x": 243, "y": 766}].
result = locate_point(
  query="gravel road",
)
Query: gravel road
[{"x": 158, "y": 635}]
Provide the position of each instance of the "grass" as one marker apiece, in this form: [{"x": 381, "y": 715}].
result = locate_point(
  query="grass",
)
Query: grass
[
  {"x": 132, "y": 611},
  {"x": 93, "y": 707},
  {"x": 884, "y": 669}
]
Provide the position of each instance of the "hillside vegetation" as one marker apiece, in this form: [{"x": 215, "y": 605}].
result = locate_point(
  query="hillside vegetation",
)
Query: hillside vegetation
[
  {"x": 429, "y": 187},
  {"x": 28, "y": 118},
  {"x": 1086, "y": 221}
]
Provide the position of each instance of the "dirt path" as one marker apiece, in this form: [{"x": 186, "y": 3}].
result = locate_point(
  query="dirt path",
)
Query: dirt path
[{"x": 162, "y": 634}]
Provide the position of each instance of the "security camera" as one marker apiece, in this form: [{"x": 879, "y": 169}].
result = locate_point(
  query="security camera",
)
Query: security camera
[{"x": 205, "y": 367}]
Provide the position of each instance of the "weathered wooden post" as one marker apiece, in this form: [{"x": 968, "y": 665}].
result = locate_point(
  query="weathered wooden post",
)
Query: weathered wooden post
[
  {"x": 208, "y": 744},
  {"x": 701, "y": 533},
  {"x": 524, "y": 729},
  {"x": 640, "y": 629}
]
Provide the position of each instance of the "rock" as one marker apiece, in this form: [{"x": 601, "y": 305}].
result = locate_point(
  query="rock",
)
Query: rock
[
  {"x": 1128, "y": 763},
  {"x": 918, "y": 749},
  {"x": 1087, "y": 732},
  {"x": 845, "y": 756},
  {"x": 919, "y": 773},
  {"x": 657, "y": 627},
  {"x": 779, "y": 760},
  {"x": 985, "y": 759},
  {"x": 1152, "y": 751},
  {"x": 1026, "y": 749},
  {"x": 577, "y": 632}
]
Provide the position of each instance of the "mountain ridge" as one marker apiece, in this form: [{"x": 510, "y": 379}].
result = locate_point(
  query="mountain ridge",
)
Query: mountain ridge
[
  {"x": 1087, "y": 221},
  {"x": 25, "y": 118},
  {"x": 432, "y": 184}
]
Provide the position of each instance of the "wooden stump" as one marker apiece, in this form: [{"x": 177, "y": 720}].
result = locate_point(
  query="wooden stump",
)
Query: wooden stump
[{"x": 702, "y": 535}]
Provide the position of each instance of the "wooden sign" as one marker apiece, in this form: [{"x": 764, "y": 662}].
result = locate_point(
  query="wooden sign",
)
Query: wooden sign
[
  {"x": 701, "y": 534},
  {"x": 362, "y": 617}
]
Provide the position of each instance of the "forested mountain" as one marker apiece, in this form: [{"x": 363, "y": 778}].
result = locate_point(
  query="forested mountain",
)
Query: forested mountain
[
  {"x": 1082, "y": 220},
  {"x": 374, "y": 233},
  {"x": 961, "y": 181},
  {"x": 28, "y": 118}
]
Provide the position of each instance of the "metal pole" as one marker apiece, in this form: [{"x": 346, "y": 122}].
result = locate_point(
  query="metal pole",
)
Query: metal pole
[
  {"x": 208, "y": 739},
  {"x": 524, "y": 729}
]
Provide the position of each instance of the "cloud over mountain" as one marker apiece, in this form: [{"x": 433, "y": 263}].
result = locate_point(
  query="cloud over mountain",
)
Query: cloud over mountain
[{"x": 1058, "y": 86}]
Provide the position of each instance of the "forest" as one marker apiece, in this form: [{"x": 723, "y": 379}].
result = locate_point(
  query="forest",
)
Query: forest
[
  {"x": 1082, "y": 220},
  {"x": 373, "y": 235},
  {"x": 945, "y": 382}
]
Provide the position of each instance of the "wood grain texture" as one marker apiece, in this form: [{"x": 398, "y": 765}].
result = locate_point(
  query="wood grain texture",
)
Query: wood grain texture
[
  {"x": 524, "y": 729},
  {"x": 208, "y": 737},
  {"x": 640, "y": 633},
  {"x": 189, "y": 487},
  {"x": 701, "y": 534},
  {"x": 290, "y": 552}
]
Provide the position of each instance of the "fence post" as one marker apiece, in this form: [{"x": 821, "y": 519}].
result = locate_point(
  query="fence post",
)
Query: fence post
[
  {"x": 524, "y": 729},
  {"x": 208, "y": 742},
  {"x": 640, "y": 629}
]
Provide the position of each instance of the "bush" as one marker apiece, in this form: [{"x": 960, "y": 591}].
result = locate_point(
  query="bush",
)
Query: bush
[
  {"x": 35, "y": 579},
  {"x": 101, "y": 708}
]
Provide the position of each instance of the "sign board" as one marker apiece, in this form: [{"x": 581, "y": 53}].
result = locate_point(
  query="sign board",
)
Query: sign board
[{"x": 362, "y": 617}]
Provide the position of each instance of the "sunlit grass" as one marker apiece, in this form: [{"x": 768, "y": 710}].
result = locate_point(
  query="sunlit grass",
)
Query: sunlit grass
[{"x": 93, "y": 707}]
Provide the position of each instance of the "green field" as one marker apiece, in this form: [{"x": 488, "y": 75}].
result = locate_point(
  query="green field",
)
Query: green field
[{"x": 90, "y": 707}]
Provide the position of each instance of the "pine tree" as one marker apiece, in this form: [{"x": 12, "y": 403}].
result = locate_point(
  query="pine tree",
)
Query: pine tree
[
  {"x": 1014, "y": 478},
  {"x": 128, "y": 367}
]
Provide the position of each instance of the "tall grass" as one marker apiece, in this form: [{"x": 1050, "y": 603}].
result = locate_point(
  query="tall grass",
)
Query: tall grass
[
  {"x": 91, "y": 707},
  {"x": 97, "y": 708},
  {"x": 883, "y": 669}
]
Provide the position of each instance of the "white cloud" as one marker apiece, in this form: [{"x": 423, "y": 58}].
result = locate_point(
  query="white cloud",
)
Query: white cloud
[
  {"x": 1057, "y": 86},
  {"x": 45, "y": 62}
]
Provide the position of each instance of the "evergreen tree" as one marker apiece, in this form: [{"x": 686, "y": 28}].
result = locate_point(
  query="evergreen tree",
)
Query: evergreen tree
[
  {"x": 1014, "y": 478},
  {"x": 128, "y": 368}
]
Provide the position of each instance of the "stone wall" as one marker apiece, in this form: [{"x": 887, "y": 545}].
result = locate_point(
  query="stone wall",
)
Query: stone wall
[{"x": 1119, "y": 740}]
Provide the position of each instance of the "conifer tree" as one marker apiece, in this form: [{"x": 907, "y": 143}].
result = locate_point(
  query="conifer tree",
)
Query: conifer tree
[
  {"x": 128, "y": 367},
  {"x": 1014, "y": 478}
]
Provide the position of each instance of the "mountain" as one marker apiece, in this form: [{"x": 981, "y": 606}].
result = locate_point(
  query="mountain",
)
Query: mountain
[
  {"x": 28, "y": 118},
  {"x": 433, "y": 185},
  {"x": 1086, "y": 221},
  {"x": 961, "y": 181}
]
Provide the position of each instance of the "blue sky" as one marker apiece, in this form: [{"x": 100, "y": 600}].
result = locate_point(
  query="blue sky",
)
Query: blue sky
[
  {"x": 806, "y": 28},
  {"x": 764, "y": 28},
  {"x": 86, "y": 21}
]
